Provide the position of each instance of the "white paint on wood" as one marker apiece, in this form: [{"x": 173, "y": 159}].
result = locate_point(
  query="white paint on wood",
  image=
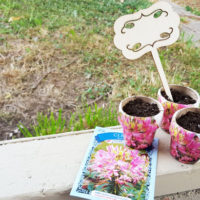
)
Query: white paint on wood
[
  {"x": 161, "y": 72},
  {"x": 147, "y": 30}
]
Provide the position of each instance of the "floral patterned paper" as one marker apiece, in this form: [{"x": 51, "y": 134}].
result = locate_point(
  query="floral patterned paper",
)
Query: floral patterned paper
[
  {"x": 138, "y": 131},
  {"x": 185, "y": 145},
  {"x": 169, "y": 109}
]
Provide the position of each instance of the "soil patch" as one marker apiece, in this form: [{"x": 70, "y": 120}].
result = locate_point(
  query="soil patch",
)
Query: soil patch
[
  {"x": 179, "y": 97},
  {"x": 8, "y": 127},
  {"x": 140, "y": 108},
  {"x": 190, "y": 121}
]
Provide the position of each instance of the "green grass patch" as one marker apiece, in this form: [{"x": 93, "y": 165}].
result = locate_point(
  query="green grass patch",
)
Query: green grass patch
[
  {"x": 53, "y": 14},
  {"x": 45, "y": 125},
  {"x": 88, "y": 118}
]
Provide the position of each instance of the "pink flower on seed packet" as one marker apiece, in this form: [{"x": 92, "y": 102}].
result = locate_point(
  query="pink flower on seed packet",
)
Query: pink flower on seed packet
[{"x": 122, "y": 164}]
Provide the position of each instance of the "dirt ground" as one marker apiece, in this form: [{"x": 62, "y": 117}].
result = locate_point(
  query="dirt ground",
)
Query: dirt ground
[{"x": 32, "y": 81}]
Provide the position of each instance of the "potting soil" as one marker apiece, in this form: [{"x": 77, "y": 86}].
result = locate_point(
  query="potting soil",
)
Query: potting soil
[
  {"x": 190, "y": 121},
  {"x": 140, "y": 108},
  {"x": 179, "y": 97}
]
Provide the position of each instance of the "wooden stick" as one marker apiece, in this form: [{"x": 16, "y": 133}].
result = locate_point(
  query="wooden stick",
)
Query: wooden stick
[{"x": 161, "y": 72}]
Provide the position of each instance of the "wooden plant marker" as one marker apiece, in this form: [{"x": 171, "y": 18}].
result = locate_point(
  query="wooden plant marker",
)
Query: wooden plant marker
[{"x": 147, "y": 30}]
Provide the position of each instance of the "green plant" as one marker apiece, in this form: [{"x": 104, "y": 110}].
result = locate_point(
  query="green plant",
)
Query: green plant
[
  {"x": 193, "y": 10},
  {"x": 45, "y": 125},
  {"x": 96, "y": 91},
  {"x": 93, "y": 116}
]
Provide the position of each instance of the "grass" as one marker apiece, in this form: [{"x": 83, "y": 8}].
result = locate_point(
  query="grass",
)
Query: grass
[
  {"x": 45, "y": 125},
  {"x": 57, "y": 13},
  {"x": 92, "y": 116},
  {"x": 187, "y": 72},
  {"x": 73, "y": 40}
]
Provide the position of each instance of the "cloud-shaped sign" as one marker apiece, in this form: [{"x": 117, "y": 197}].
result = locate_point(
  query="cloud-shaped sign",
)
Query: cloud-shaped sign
[{"x": 138, "y": 33}]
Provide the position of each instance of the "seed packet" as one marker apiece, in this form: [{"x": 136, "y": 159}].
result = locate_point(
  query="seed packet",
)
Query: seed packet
[{"x": 113, "y": 171}]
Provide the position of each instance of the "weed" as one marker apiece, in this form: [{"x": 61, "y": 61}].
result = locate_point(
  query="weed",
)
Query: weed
[
  {"x": 96, "y": 91},
  {"x": 193, "y": 10},
  {"x": 93, "y": 116},
  {"x": 45, "y": 125},
  {"x": 184, "y": 20}
]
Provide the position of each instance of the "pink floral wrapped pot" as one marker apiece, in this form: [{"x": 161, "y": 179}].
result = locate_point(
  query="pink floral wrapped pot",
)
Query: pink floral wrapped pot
[
  {"x": 170, "y": 107},
  {"x": 139, "y": 132},
  {"x": 185, "y": 144}
]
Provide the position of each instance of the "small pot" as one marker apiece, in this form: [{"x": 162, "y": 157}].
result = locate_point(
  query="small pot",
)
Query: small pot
[
  {"x": 170, "y": 107},
  {"x": 185, "y": 144},
  {"x": 139, "y": 131}
]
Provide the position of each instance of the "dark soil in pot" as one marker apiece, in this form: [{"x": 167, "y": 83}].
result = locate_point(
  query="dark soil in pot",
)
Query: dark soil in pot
[
  {"x": 179, "y": 97},
  {"x": 190, "y": 121},
  {"x": 140, "y": 108}
]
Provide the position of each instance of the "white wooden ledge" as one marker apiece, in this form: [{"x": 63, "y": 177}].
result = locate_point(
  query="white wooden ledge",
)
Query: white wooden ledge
[{"x": 44, "y": 168}]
